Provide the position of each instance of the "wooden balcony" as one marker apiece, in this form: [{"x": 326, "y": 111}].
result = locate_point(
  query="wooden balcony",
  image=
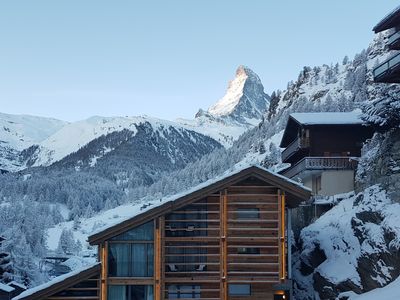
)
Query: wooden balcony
[
  {"x": 296, "y": 145},
  {"x": 389, "y": 71},
  {"x": 321, "y": 163}
]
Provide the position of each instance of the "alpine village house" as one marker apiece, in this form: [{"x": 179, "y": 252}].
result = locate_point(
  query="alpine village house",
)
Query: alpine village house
[{"x": 230, "y": 238}]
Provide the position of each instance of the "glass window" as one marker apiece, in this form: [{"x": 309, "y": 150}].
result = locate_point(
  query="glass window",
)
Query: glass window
[
  {"x": 184, "y": 291},
  {"x": 247, "y": 213},
  {"x": 118, "y": 260},
  {"x": 245, "y": 250},
  {"x": 131, "y": 260},
  {"x": 130, "y": 292},
  {"x": 239, "y": 290},
  {"x": 143, "y": 232}
]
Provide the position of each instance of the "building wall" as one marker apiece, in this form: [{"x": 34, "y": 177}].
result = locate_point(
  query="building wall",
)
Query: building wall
[
  {"x": 336, "y": 182},
  {"x": 345, "y": 140},
  {"x": 234, "y": 232}
]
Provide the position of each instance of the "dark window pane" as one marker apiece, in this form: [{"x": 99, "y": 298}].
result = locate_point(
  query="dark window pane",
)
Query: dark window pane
[
  {"x": 247, "y": 213},
  {"x": 131, "y": 260},
  {"x": 118, "y": 260},
  {"x": 143, "y": 232},
  {"x": 130, "y": 292},
  {"x": 243, "y": 250},
  {"x": 239, "y": 290}
]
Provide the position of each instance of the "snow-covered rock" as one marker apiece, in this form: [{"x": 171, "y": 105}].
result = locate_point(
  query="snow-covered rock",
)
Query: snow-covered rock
[
  {"x": 353, "y": 247},
  {"x": 244, "y": 100}
]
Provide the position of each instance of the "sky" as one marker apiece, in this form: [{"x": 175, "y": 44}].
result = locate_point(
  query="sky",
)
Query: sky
[{"x": 73, "y": 59}]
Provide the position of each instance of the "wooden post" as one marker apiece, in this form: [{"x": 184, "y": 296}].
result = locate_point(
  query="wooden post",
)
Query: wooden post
[
  {"x": 104, "y": 268},
  {"x": 162, "y": 253},
  {"x": 223, "y": 245},
  {"x": 283, "y": 241},
  {"x": 157, "y": 260}
]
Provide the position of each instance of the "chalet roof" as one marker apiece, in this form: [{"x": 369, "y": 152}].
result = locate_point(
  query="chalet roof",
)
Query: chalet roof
[
  {"x": 59, "y": 283},
  {"x": 318, "y": 119},
  {"x": 391, "y": 20},
  {"x": 295, "y": 191},
  {"x": 6, "y": 288},
  {"x": 328, "y": 118}
]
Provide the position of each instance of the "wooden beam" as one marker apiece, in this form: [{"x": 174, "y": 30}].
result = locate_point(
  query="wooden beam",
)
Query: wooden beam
[
  {"x": 157, "y": 260},
  {"x": 104, "y": 268},
  {"x": 283, "y": 241},
  {"x": 224, "y": 247}
]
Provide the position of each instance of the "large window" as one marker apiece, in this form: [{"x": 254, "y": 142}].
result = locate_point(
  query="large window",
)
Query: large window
[
  {"x": 131, "y": 254},
  {"x": 130, "y": 292}
]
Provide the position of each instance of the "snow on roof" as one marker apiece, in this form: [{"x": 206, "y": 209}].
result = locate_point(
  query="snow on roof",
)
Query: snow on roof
[
  {"x": 17, "y": 284},
  {"x": 128, "y": 211},
  {"x": 53, "y": 281},
  {"x": 328, "y": 118},
  {"x": 6, "y": 288}
]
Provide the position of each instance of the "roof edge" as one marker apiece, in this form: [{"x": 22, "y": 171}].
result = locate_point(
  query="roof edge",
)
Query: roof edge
[{"x": 293, "y": 188}]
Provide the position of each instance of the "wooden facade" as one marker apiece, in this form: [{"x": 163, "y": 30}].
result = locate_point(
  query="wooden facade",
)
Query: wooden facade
[
  {"x": 223, "y": 241},
  {"x": 322, "y": 140}
]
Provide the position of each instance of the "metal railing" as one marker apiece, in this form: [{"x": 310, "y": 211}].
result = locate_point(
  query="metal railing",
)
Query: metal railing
[
  {"x": 394, "y": 38},
  {"x": 297, "y": 144},
  {"x": 387, "y": 66},
  {"x": 321, "y": 163}
]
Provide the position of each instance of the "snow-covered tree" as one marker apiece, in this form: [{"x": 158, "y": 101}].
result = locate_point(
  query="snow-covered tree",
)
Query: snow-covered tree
[
  {"x": 66, "y": 244},
  {"x": 384, "y": 112}
]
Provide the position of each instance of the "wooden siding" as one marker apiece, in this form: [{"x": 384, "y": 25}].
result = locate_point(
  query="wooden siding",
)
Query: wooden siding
[
  {"x": 88, "y": 289},
  {"x": 208, "y": 259}
]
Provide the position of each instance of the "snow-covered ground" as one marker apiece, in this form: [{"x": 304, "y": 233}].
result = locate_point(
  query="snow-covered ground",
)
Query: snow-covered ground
[
  {"x": 335, "y": 233},
  {"x": 391, "y": 291}
]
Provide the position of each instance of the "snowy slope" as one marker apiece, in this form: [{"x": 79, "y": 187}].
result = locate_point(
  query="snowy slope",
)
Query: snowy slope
[
  {"x": 391, "y": 291},
  {"x": 18, "y": 132}
]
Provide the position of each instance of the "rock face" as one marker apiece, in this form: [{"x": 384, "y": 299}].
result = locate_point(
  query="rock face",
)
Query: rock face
[
  {"x": 353, "y": 247},
  {"x": 244, "y": 99}
]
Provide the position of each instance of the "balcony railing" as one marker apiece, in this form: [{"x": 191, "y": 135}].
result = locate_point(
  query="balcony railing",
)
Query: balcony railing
[
  {"x": 386, "y": 68},
  {"x": 394, "y": 40},
  {"x": 321, "y": 163},
  {"x": 297, "y": 144}
]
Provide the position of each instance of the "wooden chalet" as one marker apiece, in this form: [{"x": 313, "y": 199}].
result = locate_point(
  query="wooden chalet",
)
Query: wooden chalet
[
  {"x": 323, "y": 150},
  {"x": 389, "y": 70},
  {"x": 225, "y": 240}
]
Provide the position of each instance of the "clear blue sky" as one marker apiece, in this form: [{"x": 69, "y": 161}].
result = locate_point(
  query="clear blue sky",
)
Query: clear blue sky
[{"x": 73, "y": 59}]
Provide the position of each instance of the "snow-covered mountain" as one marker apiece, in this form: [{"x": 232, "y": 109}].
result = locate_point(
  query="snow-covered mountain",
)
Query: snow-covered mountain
[
  {"x": 241, "y": 108},
  {"x": 27, "y": 141},
  {"x": 245, "y": 100},
  {"x": 19, "y": 132}
]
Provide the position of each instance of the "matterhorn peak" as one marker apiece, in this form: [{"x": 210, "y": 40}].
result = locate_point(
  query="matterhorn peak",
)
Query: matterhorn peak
[{"x": 244, "y": 100}]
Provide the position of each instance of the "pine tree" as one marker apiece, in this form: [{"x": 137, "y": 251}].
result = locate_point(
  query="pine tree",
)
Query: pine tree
[
  {"x": 5, "y": 263},
  {"x": 66, "y": 244}
]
